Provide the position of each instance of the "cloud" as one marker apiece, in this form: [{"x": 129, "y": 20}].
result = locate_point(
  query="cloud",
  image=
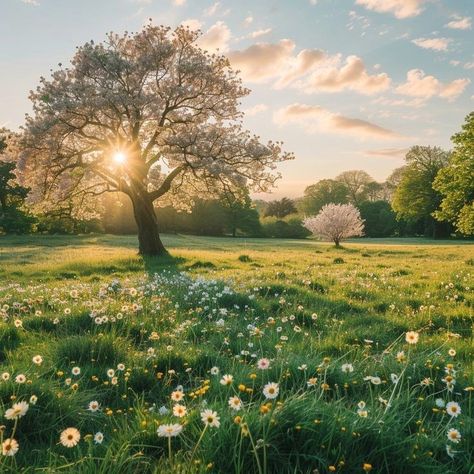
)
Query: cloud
[
  {"x": 192, "y": 23},
  {"x": 437, "y": 44},
  {"x": 351, "y": 75},
  {"x": 179, "y": 3},
  {"x": 316, "y": 119},
  {"x": 310, "y": 70},
  {"x": 258, "y": 33},
  {"x": 400, "y": 8},
  {"x": 212, "y": 10},
  {"x": 415, "y": 103},
  {"x": 418, "y": 84},
  {"x": 262, "y": 61},
  {"x": 35, "y": 3},
  {"x": 459, "y": 23},
  {"x": 256, "y": 109},
  {"x": 248, "y": 20},
  {"x": 216, "y": 38},
  {"x": 388, "y": 152}
]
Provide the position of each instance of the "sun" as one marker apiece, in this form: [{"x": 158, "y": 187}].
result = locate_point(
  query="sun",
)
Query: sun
[{"x": 119, "y": 157}]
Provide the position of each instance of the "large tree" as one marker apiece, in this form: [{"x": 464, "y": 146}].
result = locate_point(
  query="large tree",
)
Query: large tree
[
  {"x": 415, "y": 198},
  {"x": 356, "y": 182},
  {"x": 280, "y": 208},
  {"x": 456, "y": 181},
  {"x": 151, "y": 115},
  {"x": 324, "y": 192}
]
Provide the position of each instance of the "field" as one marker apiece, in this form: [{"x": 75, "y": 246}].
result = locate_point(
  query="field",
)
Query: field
[{"x": 309, "y": 358}]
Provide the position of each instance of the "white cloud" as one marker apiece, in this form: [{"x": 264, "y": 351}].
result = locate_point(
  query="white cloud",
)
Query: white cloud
[
  {"x": 35, "y": 3},
  {"x": 459, "y": 23},
  {"x": 414, "y": 103},
  {"x": 469, "y": 65},
  {"x": 437, "y": 44},
  {"x": 179, "y": 3},
  {"x": 192, "y": 23},
  {"x": 351, "y": 75},
  {"x": 248, "y": 20},
  {"x": 216, "y": 38},
  {"x": 212, "y": 10},
  {"x": 310, "y": 70},
  {"x": 256, "y": 109},
  {"x": 400, "y": 8},
  {"x": 316, "y": 119},
  {"x": 418, "y": 84},
  {"x": 262, "y": 61},
  {"x": 258, "y": 33}
]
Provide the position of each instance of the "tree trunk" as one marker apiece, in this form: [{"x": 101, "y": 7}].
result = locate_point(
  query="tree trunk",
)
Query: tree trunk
[{"x": 149, "y": 242}]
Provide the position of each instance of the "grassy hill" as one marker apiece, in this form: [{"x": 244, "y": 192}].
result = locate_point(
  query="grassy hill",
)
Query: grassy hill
[{"x": 314, "y": 339}]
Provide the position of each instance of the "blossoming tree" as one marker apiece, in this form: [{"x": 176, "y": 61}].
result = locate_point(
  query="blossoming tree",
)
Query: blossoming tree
[
  {"x": 336, "y": 222},
  {"x": 149, "y": 114}
]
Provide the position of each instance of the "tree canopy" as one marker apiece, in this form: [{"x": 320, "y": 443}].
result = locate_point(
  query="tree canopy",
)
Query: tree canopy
[
  {"x": 149, "y": 114},
  {"x": 323, "y": 192},
  {"x": 455, "y": 182}
]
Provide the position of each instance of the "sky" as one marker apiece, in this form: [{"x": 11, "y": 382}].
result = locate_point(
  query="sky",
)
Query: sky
[{"x": 345, "y": 84}]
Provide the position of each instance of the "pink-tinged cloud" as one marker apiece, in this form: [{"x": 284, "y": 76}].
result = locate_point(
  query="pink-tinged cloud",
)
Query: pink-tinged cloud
[
  {"x": 459, "y": 23},
  {"x": 399, "y": 8},
  {"x": 262, "y": 61},
  {"x": 388, "y": 152},
  {"x": 216, "y": 38},
  {"x": 256, "y": 109},
  {"x": 436, "y": 44},
  {"x": 352, "y": 75},
  {"x": 316, "y": 119},
  {"x": 418, "y": 84}
]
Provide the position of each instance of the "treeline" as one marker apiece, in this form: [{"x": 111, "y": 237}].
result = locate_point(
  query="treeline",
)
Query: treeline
[{"x": 431, "y": 195}]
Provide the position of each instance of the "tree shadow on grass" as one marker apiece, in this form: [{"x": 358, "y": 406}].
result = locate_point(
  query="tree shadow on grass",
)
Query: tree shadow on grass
[{"x": 158, "y": 264}]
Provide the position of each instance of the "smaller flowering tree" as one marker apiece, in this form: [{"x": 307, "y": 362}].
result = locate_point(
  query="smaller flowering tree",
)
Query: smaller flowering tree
[{"x": 336, "y": 222}]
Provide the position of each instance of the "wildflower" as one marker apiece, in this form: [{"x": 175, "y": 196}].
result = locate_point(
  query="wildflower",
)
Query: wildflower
[
  {"x": 10, "y": 447},
  {"x": 17, "y": 411},
  {"x": 452, "y": 352},
  {"x": 263, "y": 364},
  {"x": 76, "y": 371},
  {"x": 179, "y": 410},
  {"x": 454, "y": 435},
  {"x": 312, "y": 382},
  {"x": 33, "y": 399},
  {"x": 214, "y": 370},
  {"x": 412, "y": 337},
  {"x": 20, "y": 378},
  {"x": 400, "y": 356},
  {"x": 5, "y": 376},
  {"x": 227, "y": 379},
  {"x": 93, "y": 406},
  {"x": 70, "y": 437},
  {"x": 367, "y": 467},
  {"x": 177, "y": 395},
  {"x": 394, "y": 378},
  {"x": 98, "y": 438},
  {"x": 210, "y": 418},
  {"x": 18, "y": 323},
  {"x": 169, "y": 431},
  {"x": 121, "y": 367},
  {"x": 37, "y": 359},
  {"x": 271, "y": 390},
  {"x": 235, "y": 403},
  {"x": 347, "y": 368},
  {"x": 110, "y": 373},
  {"x": 453, "y": 409}
]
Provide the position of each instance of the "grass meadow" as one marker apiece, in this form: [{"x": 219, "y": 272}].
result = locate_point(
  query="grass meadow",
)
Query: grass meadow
[{"x": 247, "y": 356}]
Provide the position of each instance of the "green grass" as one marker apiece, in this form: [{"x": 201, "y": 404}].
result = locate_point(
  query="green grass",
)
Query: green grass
[{"x": 91, "y": 302}]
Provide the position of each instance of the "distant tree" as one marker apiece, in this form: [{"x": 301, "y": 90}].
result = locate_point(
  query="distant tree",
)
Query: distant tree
[
  {"x": 356, "y": 182},
  {"x": 336, "y": 222},
  {"x": 374, "y": 191},
  {"x": 379, "y": 218},
  {"x": 13, "y": 216},
  {"x": 134, "y": 106},
  {"x": 456, "y": 181},
  {"x": 392, "y": 182},
  {"x": 281, "y": 208},
  {"x": 240, "y": 214},
  {"x": 415, "y": 198},
  {"x": 324, "y": 192}
]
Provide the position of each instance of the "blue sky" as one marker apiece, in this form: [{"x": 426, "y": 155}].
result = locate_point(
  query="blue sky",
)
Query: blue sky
[{"x": 346, "y": 84}]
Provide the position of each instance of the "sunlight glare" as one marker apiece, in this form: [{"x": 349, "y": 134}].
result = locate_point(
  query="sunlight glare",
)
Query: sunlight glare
[{"x": 119, "y": 157}]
